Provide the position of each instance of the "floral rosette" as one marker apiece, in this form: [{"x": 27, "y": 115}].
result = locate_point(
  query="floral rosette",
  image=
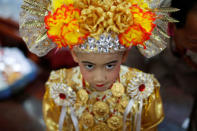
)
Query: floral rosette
[
  {"x": 141, "y": 86},
  {"x": 62, "y": 94}
]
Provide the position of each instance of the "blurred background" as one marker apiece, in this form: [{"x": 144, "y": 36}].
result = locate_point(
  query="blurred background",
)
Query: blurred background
[{"x": 23, "y": 74}]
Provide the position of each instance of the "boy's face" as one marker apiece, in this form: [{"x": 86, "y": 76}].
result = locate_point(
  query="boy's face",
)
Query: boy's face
[
  {"x": 99, "y": 70},
  {"x": 187, "y": 37}
]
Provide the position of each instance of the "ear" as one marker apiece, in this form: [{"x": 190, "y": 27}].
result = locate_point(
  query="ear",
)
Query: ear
[
  {"x": 74, "y": 56},
  {"x": 125, "y": 55}
]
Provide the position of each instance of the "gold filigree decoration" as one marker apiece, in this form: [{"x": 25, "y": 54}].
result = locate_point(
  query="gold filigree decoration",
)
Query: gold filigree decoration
[{"x": 103, "y": 15}]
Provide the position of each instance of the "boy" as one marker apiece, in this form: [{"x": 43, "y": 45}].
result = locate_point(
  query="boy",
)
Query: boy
[{"x": 100, "y": 94}]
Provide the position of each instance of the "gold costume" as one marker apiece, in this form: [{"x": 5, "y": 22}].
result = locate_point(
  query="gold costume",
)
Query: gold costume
[{"x": 101, "y": 111}]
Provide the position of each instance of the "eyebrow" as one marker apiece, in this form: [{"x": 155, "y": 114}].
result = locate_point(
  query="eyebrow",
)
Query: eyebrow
[
  {"x": 111, "y": 62},
  {"x": 87, "y": 62}
]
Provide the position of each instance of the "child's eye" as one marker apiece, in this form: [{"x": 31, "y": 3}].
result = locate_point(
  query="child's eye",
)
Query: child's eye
[
  {"x": 89, "y": 67},
  {"x": 109, "y": 67}
]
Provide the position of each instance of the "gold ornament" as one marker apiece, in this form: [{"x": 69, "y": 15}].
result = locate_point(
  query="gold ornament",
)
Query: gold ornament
[
  {"x": 119, "y": 18},
  {"x": 82, "y": 96},
  {"x": 87, "y": 119},
  {"x": 77, "y": 105},
  {"x": 92, "y": 18},
  {"x": 117, "y": 89},
  {"x": 100, "y": 109},
  {"x": 101, "y": 127},
  {"x": 122, "y": 105},
  {"x": 98, "y": 16},
  {"x": 112, "y": 101},
  {"x": 114, "y": 122}
]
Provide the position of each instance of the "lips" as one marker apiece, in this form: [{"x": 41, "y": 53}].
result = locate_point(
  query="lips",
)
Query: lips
[{"x": 100, "y": 85}]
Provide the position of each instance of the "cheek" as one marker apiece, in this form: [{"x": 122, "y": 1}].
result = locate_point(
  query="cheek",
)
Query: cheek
[
  {"x": 113, "y": 75},
  {"x": 86, "y": 75}
]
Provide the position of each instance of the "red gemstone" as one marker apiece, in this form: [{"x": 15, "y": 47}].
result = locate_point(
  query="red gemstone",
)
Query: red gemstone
[
  {"x": 142, "y": 87},
  {"x": 62, "y": 96}
]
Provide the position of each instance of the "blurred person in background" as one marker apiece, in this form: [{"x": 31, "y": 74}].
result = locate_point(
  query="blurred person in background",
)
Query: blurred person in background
[{"x": 184, "y": 46}]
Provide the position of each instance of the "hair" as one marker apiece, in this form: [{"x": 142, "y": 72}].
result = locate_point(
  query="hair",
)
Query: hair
[{"x": 185, "y": 7}]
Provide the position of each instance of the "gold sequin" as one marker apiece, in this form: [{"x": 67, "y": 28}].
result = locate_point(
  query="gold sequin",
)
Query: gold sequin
[
  {"x": 100, "y": 109},
  {"x": 87, "y": 119},
  {"x": 82, "y": 96},
  {"x": 117, "y": 89},
  {"x": 101, "y": 127},
  {"x": 114, "y": 122}
]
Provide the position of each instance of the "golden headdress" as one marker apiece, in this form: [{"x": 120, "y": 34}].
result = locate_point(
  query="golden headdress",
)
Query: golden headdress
[{"x": 101, "y": 26}]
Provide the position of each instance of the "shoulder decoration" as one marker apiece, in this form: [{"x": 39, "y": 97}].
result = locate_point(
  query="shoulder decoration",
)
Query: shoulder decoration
[
  {"x": 140, "y": 87},
  {"x": 64, "y": 96}
]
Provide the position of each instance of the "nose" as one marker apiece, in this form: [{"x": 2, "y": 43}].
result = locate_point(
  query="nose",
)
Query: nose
[{"x": 99, "y": 76}]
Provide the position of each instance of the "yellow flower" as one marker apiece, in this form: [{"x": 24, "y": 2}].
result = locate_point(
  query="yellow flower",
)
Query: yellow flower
[
  {"x": 63, "y": 27},
  {"x": 141, "y": 29},
  {"x": 140, "y": 3},
  {"x": 58, "y": 3}
]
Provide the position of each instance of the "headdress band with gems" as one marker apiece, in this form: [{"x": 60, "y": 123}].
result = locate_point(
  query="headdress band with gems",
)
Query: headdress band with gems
[{"x": 101, "y": 26}]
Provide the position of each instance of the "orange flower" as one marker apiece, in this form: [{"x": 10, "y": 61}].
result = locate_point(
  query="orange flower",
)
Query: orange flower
[
  {"x": 63, "y": 27},
  {"x": 141, "y": 29}
]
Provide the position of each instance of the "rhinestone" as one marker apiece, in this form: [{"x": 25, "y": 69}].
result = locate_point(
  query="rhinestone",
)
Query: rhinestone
[
  {"x": 110, "y": 45},
  {"x": 116, "y": 48},
  {"x": 108, "y": 39},
  {"x": 116, "y": 40},
  {"x": 98, "y": 43},
  {"x": 92, "y": 47},
  {"x": 100, "y": 49},
  {"x": 83, "y": 46},
  {"x": 102, "y": 38},
  {"x": 90, "y": 40},
  {"x": 105, "y": 50},
  {"x": 105, "y": 43}
]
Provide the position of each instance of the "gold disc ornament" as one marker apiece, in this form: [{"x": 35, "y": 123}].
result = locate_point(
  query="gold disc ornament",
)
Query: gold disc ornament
[
  {"x": 114, "y": 122},
  {"x": 100, "y": 109},
  {"x": 87, "y": 119},
  {"x": 117, "y": 89}
]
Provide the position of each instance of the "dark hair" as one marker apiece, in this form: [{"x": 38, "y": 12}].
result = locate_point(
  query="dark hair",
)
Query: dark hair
[{"x": 185, "y": 7}]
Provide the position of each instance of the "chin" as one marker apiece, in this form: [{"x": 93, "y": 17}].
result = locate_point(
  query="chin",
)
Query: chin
[{"x": 100, "y": 88}]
